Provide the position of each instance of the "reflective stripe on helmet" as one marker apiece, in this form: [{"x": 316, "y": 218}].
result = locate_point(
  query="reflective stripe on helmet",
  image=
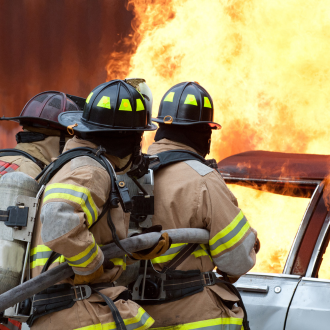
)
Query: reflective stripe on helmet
[
  {"x": 125, "y": 105},
  {"x": 104, "y": 102},
  {"x": 139, "y": 105},
  {"x": 76, "y": 194},
  {"x": 89, "y": 97},
  {"x": 207, "y": 103},
  {"x": 169, "y": 97},
  {"x": 230, "y": 235},
  {"x": 190, "y": 99}
]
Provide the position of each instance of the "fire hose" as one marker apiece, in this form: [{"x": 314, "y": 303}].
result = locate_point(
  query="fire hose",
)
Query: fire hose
[{"x": 110, "y": 251}]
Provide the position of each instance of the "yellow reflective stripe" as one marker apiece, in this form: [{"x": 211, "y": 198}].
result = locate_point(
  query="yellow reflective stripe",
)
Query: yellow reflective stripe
[
  {"x": 163, "y": 259},
  {"x": 229, "y": 236},
  {"x": 207, "y": 324},
  {"x": 68, "y": 191},
  {"x": 83, "y": 259},
  {"x": 38, "y": 262},
  {"x": 39, "y": 248},
  {"x": 141, "y": 321},
  {"x": 168, "y": 256},
  {"x": 60, "y": 259},
  {"x": 228, "y": 229},
  {"x": 119, "y": 262}
]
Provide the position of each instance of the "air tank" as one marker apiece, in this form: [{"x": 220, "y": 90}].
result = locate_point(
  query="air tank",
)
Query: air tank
[{"x": 12, "y": 251}]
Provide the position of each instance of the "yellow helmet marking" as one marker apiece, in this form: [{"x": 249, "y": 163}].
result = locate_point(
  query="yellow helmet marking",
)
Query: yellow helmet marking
[
  {"x": 139, "y": 105},
  {"x": 190, "y": 99},
  {"x": 169, "y": 97},
  {"x": 125, "y": 105},
  {"x": 104, "y": 102},
  {"x": 89, "y": 97},
  {"x": 207, "y": 103}
]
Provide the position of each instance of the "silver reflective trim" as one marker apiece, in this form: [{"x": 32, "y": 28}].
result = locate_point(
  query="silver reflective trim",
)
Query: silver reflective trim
[
  {"x": 230, "y": 235},
  {"x": 40, "y": 255},
  {"x": 78, "y": 194},
  {"x": 85, "y": 258},
  {"x": 140, "y": 323},
  {"x": 200, "y": 168}
]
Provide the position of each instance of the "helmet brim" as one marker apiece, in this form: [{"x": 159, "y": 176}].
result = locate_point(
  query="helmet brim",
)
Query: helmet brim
[
  {"x": 34, "y": 120},
  {"x": 212, "y": 124},
  {"x": 75, "y": 117}
]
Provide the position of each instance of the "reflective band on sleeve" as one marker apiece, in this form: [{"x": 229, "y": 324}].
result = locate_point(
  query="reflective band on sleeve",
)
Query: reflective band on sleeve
[
  {"x": 40, "y": 254},
  {"x": 83, "y": 259},
  {"x": 174, "y": 249},
  {"x": 119, "y": 262},
  {"x": 229, "y": 236},
  {"x": 225, "y": 323},
  {"x": 141, "y": 321},
  {"x": 76, "y": 194}
]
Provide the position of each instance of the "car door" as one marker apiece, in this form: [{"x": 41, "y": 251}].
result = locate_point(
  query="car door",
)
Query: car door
[
  {"x": 310, "y": 306},
  {"x": 281, "y": 221}
]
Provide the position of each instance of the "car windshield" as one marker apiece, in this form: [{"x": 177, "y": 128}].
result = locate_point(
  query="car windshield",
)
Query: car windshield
[{"x": 276, "y": 218}]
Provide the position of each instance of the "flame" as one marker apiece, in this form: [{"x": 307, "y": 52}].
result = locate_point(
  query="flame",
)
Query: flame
[{"x": 266, "y": 65}]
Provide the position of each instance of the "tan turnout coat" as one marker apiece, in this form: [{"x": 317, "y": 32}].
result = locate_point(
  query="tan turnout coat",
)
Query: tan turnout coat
[
  {"x": 71, "y": 203},
  {"x": 191, "y": 195}
]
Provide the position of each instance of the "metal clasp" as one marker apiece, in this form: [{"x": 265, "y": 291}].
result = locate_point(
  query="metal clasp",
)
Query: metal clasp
[
  {"x": 209, "y": 278},
  {"x": 88, "y": 292}
]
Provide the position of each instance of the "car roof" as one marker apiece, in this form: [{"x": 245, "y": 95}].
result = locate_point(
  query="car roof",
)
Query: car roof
[{"x": 275, "y": 165}]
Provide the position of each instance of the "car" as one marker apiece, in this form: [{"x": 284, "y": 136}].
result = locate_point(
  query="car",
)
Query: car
[{"x": 285, "y": 197}]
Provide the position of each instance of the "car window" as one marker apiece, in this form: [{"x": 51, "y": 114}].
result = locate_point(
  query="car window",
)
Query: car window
[
  {"x": 276, "y": 218},
  {"x": 324, "y": 270}
]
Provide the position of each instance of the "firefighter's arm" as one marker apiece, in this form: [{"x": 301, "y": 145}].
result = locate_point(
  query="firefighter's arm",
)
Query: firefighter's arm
[
  {"x": 232, "y": 240},
  {"x": 70, "y": 207}
]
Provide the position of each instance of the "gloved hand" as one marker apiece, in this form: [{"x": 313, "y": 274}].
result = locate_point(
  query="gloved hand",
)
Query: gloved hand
[
  {"x": 229, "y": 278},
  {"x": 155, "y": 251},
  {"x": 257, "y": 246},
  {"x": 85, "y": 279}
]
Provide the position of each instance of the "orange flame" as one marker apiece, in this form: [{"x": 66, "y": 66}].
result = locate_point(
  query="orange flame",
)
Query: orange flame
[{"x": 266, "y": 65}]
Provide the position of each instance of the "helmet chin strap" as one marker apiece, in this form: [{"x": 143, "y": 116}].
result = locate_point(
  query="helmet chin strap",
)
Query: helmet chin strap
[
  {"x": 62, "y": 142},
  {"x": 125, "y": 167}
]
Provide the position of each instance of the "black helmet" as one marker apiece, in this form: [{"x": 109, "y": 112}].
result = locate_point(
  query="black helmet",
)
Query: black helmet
[
  {"x": 187, "y": 103},
  {"x": 111, "y": 106}
]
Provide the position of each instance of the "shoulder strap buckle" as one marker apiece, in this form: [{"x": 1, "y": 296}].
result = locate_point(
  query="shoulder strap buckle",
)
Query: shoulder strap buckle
[
  {"x": 209, "y": 278},
  {"x": 80, "y": 295}
]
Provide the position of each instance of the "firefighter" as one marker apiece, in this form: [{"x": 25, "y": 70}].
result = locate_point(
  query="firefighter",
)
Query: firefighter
[
  {"x": 71, "y": 224},
  {"x": 189, "y": 194},
  {"x": 42, "y": 139}
]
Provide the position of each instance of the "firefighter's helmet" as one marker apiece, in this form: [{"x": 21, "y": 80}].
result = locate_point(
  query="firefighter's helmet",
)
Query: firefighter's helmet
[
  {"x": 111, "y": 106},
  {"x": 187, "y": 103},
  {"x": 142, "y": 87},
  {"x": 43, "y": 110}
]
